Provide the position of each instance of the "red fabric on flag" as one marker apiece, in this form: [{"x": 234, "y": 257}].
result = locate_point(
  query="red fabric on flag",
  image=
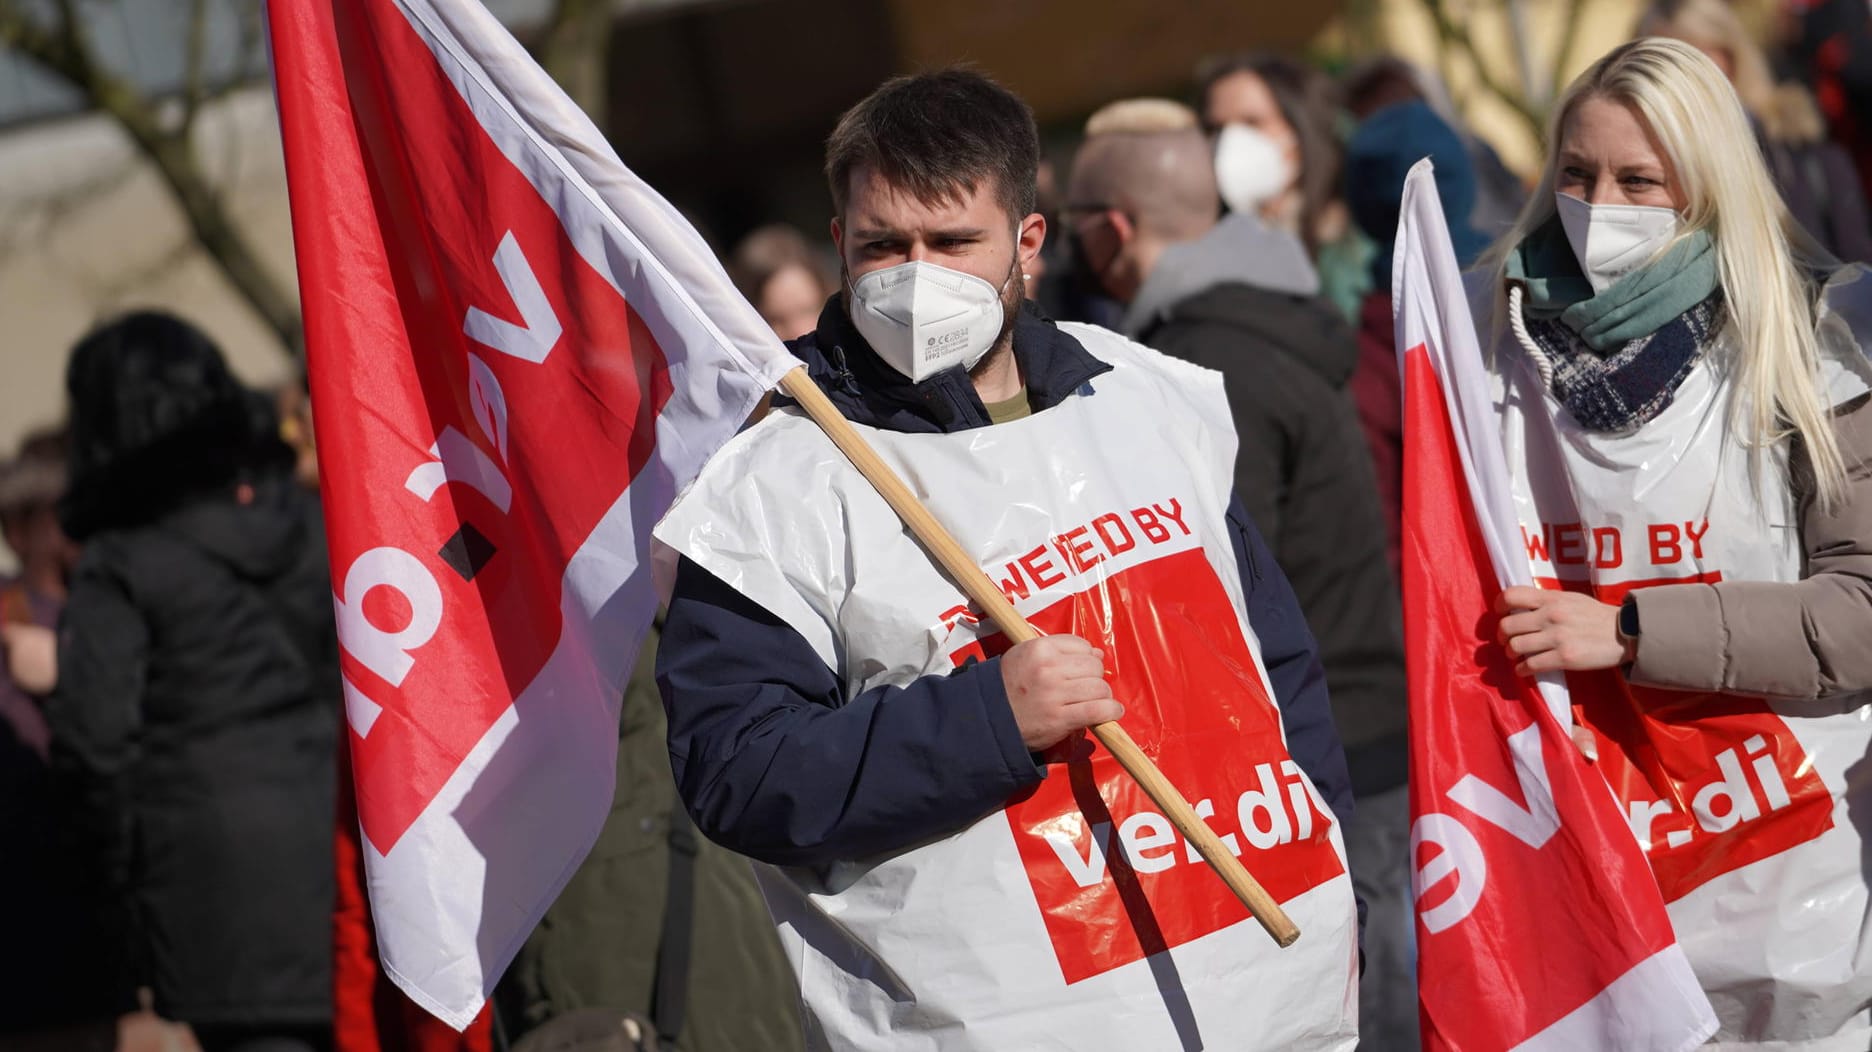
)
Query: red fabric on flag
[
  {"x": 369, "y": 1014},
  {"x": 518, "y": 354},
  {"x": 1540, "y": 926},
  {"x": 1552, "y": 925},
  {"x": 423, "y": 258}
]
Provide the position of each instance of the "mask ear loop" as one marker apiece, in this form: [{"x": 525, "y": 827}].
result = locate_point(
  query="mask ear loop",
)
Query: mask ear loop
[{"x": 1014, "y": 268}]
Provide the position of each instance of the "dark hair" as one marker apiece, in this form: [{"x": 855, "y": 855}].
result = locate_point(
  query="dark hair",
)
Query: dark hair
[
  {"x": 1309, "y": 105},
  {"x": 156, "y": 419},
  {"x": 1378, "y": 82},
  {"x": 938, "y": 136},
  {"x": 35, "y": 478},
  {"x": 767, "y": 251}
]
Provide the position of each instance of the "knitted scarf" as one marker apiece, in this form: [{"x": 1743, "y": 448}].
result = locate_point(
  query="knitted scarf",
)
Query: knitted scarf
[
  {"x": 1628, "y": 387},
  {"x": 1618, "y": 356}
]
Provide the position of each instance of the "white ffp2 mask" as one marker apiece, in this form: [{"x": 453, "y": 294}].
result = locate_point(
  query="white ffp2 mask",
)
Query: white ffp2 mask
[
  {"x": 1251, "y": 169},
  {"x": 1611, "y": 241},
  {"x": 922, "y": 318}
]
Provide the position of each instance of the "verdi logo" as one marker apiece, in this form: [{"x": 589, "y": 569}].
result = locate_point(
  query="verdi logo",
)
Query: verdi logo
[
  {"x": 1112, "y": 879},
  {"x": 1709, "y": 782},
  {"x": 1709, "y": 785}
]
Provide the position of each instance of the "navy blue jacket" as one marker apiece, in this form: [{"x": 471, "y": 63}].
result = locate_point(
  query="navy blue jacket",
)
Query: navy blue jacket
[{"x": 775, "y": 763}]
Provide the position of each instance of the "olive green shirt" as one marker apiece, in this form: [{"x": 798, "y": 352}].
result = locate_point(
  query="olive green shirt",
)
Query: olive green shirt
[{"x": 1012, "y": 409}]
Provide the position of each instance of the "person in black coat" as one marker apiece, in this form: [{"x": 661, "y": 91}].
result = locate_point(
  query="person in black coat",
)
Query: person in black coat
[
  {"x": 1239, "y": 297},
  {"x": 194, "y": 720}
]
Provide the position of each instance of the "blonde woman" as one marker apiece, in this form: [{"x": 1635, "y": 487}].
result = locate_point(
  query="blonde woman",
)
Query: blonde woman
[
  {"x": 1683, "y": 396},
  {"x": 1815, "y": 176}
]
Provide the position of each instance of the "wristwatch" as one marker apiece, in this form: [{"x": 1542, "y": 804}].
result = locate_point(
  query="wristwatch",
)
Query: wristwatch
[{"x": 1628, "y": 618}]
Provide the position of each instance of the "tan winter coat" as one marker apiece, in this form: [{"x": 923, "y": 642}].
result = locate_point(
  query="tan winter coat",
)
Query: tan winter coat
[{"x": 1803, "y": 639}]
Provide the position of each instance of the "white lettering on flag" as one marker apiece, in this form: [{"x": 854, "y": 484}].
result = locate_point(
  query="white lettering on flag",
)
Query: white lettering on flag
[
  {"x": 500, "y": 426},
  {"x": 1499, "y": 967},
  {"x": 539, "y": 334},
  {"x": 1534, "y": 824}
]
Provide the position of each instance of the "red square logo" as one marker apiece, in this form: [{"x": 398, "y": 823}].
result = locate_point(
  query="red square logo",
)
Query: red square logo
[
  {"x": 1112, "y": 878},
  {"x": 1709, "y": 782}
]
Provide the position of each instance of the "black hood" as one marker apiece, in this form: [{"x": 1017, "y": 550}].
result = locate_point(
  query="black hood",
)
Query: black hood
[
  {"x": 1306, "y": 328},
  {"x": 261, "y": 540}
]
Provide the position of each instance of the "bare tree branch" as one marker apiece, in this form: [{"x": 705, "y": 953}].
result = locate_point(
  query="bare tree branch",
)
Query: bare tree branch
[
  {"x": 249, "y": 66},
  {"x": 40, "y": 43},
  {"x": 1569, "y": 35},
  {"x": 246, "y": 69},
  {"x": 35, "y": 222},
  {"x": 1458, "y": 37},
  {"x": 115, "y": 290},
  {"x": 71, "y": 32},
  {"x": 67, "y": 54},
  {"x": 194, "y": 64},
  {"x": 248, "y": 46}
]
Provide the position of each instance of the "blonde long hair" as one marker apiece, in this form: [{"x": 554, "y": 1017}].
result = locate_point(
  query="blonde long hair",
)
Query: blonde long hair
[{"x": 1764, "y": 257}]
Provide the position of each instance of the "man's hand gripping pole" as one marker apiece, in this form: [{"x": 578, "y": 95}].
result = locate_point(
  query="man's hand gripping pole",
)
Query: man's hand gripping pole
[{"x": 962, "y": 569}]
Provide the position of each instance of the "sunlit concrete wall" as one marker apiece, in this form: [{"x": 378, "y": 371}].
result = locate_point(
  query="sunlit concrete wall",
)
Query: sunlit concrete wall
[
  {"x": 1405, "y": 28},
  {"x": 88, "y": 230}
]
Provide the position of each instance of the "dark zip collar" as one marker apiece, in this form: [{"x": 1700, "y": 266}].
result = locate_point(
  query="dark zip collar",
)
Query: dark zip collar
[{"x": 1053, "y": 367}]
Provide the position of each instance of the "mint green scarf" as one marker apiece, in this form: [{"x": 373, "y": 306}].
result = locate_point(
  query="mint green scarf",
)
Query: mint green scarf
[{"x": 1634, "y": 306}]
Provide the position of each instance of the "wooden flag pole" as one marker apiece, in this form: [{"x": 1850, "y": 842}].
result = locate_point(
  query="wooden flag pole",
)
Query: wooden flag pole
[{"x": 962, "y": 569}]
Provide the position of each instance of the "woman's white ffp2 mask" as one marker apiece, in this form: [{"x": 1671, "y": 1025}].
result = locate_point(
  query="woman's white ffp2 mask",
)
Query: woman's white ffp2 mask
[
  {"x": 1251, "y": 169},
  {"x": 922, "y": 318},
  {"x": 1611, "y": 241}
]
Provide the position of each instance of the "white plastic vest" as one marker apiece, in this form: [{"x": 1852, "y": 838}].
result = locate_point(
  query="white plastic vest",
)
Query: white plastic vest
[
  {"x": 1749, "y": 809},
  {"x": 1075, "y": 918}
]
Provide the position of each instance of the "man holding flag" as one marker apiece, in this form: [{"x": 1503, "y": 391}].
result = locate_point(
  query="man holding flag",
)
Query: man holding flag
[
  {"x": 951, "y": 863},
  {"x": 520, "y": 354}
]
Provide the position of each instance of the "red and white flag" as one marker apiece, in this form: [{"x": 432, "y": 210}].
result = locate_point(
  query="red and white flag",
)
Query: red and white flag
[
  {"x": 518, "y": 355},
  {"x": 1539, "y": 923}
]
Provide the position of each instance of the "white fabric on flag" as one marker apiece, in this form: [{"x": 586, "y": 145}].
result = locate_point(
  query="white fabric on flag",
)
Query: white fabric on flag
[
  {"x": 1539, "y": 923},
  {"x": 518, "y": 354}
]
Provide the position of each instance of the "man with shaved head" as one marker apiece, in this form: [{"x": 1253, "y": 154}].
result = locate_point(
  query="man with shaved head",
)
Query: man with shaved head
[
  {"x": 1144, "y": 182},
  {"x": 1241, "y": 298}
]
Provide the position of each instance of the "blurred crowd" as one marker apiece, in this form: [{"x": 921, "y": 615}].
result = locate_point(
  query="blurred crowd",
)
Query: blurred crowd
[{"x": 180, "y": 870}]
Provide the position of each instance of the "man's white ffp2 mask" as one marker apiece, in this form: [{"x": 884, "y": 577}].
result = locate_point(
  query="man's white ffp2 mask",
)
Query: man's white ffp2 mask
[
  {"x": 922, "y": 318},
  {"x": 1611, "y": 241}
]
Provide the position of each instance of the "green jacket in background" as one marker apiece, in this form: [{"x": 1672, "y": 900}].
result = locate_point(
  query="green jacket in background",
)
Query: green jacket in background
[{"x": 597, "y": 945}]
